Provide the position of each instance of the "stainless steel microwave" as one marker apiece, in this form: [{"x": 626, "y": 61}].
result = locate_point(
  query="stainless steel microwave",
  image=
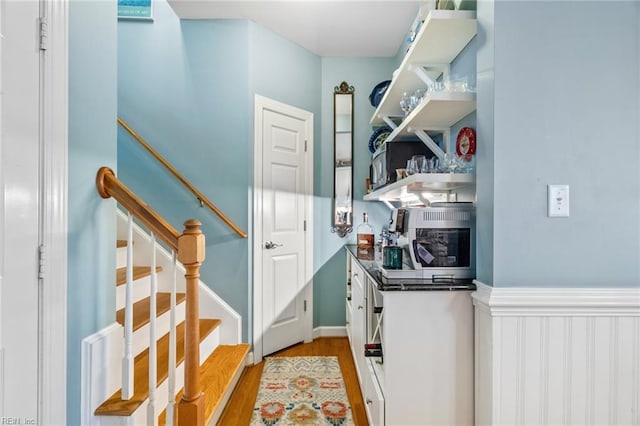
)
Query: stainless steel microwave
[{"x": 391, "y": 156}]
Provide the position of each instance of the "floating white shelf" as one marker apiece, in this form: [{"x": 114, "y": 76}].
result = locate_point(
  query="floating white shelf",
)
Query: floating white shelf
[
  {"x": 422, "y": 182},
  {"x": 437, "y": 110},
  {"x": 441, "y": 38}
]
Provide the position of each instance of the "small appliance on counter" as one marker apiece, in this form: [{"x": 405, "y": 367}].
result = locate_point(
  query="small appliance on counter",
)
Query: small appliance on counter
[{"x": 438, "y": 242}]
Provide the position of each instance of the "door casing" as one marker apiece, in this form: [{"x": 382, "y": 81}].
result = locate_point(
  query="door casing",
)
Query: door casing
[
  {"x": 263, "y": 103},
  {"x": 52, "y": 196}
]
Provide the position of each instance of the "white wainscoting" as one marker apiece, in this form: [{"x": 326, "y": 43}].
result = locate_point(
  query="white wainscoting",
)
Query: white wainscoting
[{"x": 557, "y": 356}]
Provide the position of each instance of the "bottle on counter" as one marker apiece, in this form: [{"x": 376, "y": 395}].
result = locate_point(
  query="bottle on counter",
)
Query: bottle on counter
[
  {"x": 365, "y": 233},
  {"x": 392, "y": 255}
]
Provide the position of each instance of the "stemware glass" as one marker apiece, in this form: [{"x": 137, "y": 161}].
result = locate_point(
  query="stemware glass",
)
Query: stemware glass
[{"x": 405, "y": 103}]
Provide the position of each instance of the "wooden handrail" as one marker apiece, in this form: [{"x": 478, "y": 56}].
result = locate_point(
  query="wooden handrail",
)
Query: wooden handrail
[
  {"x": 190, "y": 249},
  {"x": 199, "y": 195},
  {"x": 110, "y": 186}
]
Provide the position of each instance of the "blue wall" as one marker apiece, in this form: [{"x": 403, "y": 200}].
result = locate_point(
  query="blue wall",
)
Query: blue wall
[
  {"x": 92, "y": 144},
  {"x": 193, "y": 90},
  {"x": 564, "y": 78},
  {"x": 183, "y": 86},
  {"x": 330, "y": 261}
]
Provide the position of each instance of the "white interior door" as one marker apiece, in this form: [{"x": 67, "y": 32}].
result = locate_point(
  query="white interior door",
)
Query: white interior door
[
  {"x": 19, "y": 210},
  {"x": 283, "y": 243}
]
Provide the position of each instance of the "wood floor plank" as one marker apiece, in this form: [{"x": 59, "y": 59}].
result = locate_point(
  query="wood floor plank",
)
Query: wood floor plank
[
  {"x": 138, "y": 272},
  {"x": 115, "y": 406},
  {"x": 142, "y": 308},
  {"x": 239, "y": 409}
]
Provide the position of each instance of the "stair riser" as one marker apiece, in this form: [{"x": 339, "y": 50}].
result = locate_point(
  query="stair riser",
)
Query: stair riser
[
  {"x": 141, "y": 335},
  {"x": 121, "y": 257},
  {"x": 143, "y": 253},
  {"x": 141, "y": 290},
  {"x": 139, "y": 417}
]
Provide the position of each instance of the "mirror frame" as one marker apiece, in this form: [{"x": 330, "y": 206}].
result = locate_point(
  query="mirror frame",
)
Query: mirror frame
[{"x": 342, "y": 226}]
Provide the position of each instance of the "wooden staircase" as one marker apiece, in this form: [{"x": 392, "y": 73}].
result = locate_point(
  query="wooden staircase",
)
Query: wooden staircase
[{"x": 220, "y": 364}]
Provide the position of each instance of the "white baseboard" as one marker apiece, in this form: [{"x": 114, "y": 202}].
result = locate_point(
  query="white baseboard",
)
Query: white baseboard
[
  {"x": 340, "y": 331},
  {"x": 249, "y": 360},
  {"x": 557, "y": 355}
]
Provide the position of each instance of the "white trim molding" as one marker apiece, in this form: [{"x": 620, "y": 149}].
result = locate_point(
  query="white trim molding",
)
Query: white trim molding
[
  {"x": 551, "y": 356},
  {"x": 336, "y": 331},
  {"x": 52, "y": 406}
]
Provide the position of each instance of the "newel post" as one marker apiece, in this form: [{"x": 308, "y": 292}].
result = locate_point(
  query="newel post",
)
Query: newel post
[{"x": 191, "y": 253}]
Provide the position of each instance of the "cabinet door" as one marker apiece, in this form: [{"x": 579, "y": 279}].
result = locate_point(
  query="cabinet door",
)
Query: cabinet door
[
  {"x": 373, "y": 398},
  {"x": 349, "y": 322},
  {"x": 358, "y": 329},
  {"x": 348, "y": 302}
]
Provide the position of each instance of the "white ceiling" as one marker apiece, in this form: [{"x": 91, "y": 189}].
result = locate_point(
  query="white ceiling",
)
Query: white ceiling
[{"x": 325, "y": 27}]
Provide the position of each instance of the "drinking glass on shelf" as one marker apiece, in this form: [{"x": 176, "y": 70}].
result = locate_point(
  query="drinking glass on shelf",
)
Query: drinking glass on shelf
[
  {"x": 421, "y": 163},
  {"x": 436, "y": 86},
  {"x": 416, "y": 98},
  {"x": 432, "y": 165},
  {"x": 451, "y": 162},
  {"x": 411, "y": 166}
]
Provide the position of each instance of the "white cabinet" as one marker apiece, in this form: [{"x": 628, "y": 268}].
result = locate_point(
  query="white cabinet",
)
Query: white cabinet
[
  {"x": 357, "y": 314},
  {"x": 372, "y": 395},
  {"x": 425, "y": 376}
]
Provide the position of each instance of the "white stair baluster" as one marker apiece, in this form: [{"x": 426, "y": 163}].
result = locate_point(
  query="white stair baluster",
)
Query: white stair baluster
[
  {"x": 127, "y": 360},
  {"x": 152, "y": 417},
  {"x": 172, "y": 348}
]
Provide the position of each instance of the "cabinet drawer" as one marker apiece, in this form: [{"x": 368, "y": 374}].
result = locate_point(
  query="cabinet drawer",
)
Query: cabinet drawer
[
  {"x": 357, "y": 273},
  {"x": 373, "y": 397}
]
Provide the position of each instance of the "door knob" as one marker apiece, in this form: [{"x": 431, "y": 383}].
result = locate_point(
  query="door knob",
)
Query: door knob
[{"x": 271, "y": 245}]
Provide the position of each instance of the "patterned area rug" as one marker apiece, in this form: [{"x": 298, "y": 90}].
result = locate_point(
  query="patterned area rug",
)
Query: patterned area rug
[{"x": 307, "y": 390}]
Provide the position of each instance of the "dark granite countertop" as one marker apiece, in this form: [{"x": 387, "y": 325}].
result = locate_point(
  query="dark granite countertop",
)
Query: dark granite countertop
[{"x": 370, "y": 260}]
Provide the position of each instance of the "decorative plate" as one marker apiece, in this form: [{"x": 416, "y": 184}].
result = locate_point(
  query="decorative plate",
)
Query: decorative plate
[
  {"x": 378, "y": 137},
  {"x": 466, "y": 142},
  {"x": 378, "y": 92}
]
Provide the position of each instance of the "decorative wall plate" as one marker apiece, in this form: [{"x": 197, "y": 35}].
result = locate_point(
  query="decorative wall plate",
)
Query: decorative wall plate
[
  {"x": 378, "y": 137},
  {"x": 466, "y": 142}
]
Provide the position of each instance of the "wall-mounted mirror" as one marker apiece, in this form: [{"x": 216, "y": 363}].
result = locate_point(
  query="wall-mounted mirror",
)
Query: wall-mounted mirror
[{"x": 343, "y": 159}]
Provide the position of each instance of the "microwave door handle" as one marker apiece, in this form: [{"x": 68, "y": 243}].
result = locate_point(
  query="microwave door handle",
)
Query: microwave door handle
[{"x": 442, "y": 279}]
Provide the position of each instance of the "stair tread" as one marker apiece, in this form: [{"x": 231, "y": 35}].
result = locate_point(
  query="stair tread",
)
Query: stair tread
[
  {"x": 216, "y": 374},
  {"x": 138, "y": 272},
  {"x": 115, "y": 406},
  {"x": 142, "y": 308},
  {"x": 121, "y": 243}
]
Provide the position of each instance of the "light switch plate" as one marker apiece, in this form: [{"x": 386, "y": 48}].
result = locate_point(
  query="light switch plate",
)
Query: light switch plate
[{"x": 558, "y": 200}]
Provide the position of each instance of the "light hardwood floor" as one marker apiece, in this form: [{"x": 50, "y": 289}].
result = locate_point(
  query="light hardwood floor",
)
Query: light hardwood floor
[{"x": 240, "y": 407}]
